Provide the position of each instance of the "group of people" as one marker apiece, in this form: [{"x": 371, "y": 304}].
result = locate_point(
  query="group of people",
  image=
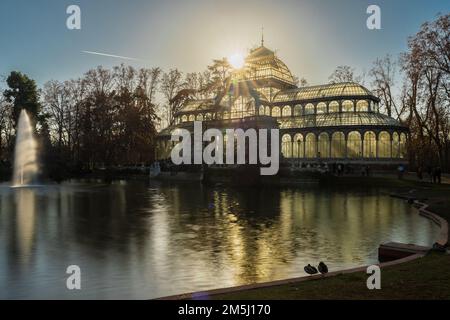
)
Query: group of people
[
  {"x": 340, "y": 169},
  {"x": 434, "y": 174}
]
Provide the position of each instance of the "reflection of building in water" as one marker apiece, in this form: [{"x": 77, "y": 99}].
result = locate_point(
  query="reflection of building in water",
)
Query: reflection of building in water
[
  {"x": 331, "y": 122},
  {"x": 245, "y": 236}
]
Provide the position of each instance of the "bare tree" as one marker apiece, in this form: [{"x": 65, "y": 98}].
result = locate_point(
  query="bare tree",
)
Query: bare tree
[
  {"x": 6, "y": 125},
  {"x": 383, "y": 73},
  {"x": 343, "y": 74},
  {"x": 426, "y": 92},
  {"x": 171, "y": 84},
  {"x": 303, "y": 82},
  {"x": 220, "y": 76},
  {"x": 149, "y": 80},
  {"x": 56, "y": 106}
]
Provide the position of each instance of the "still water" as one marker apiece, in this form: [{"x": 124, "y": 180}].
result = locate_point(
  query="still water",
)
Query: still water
[{"x": 142, "y": 240}]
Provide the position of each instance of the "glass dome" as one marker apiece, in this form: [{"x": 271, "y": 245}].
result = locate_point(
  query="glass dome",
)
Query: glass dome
[
  {"x": 197, "y": 105},
  {"x": 262, "y": 63}
]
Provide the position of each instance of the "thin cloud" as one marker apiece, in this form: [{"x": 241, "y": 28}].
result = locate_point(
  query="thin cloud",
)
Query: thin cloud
[{"x": 110, "y": 55}]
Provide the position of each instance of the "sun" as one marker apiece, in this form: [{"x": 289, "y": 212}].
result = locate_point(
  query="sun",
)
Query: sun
[{"x": 236, "y": 60}]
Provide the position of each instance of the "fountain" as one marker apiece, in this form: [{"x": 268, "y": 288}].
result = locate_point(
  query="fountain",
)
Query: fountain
[{"x": 26, "y": 168}]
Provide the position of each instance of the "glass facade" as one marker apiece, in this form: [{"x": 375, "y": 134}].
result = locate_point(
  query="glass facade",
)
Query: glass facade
[
  {"x": 354, "y": 145},
  {"x": 286, "y": 147},
  {"x": 298, "y": 146},
  {"x": 324, "y": 146},
  {"x": 310, "y": 146},
  {"x": 384, "y": 145},
  {"x": 370, "y": 145},
  {"x": 331, "y": 121},
  {"x": 338, "y": 145}
]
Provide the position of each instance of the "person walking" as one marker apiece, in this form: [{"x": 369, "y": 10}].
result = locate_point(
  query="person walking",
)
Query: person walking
[
  {"x": 419, "y": 173},
  {"x": 401, "y": 170},
  {"x": 438, "y": 175},
  {"x": 339, "y": 169},
  {"x": 433, "y": 175},
  {"x": 430, "y": 173}
]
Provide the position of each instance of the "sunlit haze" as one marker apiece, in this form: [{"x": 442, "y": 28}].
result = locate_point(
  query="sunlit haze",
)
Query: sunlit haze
[
  {"x": 236, "y": 60},
  {"x": 311, "y": 37}
]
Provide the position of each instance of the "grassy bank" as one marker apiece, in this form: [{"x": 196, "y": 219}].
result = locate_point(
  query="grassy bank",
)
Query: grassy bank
[{"x": 425, "y": 278}]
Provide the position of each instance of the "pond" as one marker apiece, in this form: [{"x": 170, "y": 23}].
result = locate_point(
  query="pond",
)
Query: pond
[{"x": 141, "y": 240}]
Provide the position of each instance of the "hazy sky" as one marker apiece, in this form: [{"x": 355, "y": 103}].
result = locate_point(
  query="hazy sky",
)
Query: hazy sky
[{"x": 311, "y": 37}]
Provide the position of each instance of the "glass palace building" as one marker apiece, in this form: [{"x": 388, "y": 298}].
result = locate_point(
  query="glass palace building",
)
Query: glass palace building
[{"x": 335, "y": 123}]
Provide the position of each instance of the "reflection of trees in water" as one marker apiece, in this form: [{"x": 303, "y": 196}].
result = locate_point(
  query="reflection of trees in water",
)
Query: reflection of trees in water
[
  {"x": 95, "y": 216},
  {"x": 180, "y": 233},
  {"x": 271, "y": 224}
]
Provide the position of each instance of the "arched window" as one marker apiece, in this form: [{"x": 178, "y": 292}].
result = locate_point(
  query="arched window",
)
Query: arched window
[
  {"x": 242, "y": 107},
  {"x": 362, "y": 106},
  {"x": 286, "y": 112},
  {"x": 402, "y": 145},
  {"x": 184, "y": 118},
  {"x": 333, "y": 107},
  {"x": 226, "y": 115},
  {"x": 321, "y": 108},
  {"x": 191, "y": 117},
  {"x": 298, "y": 146},
  {"x": 268, "y": 111},
  {"x": 395, "y": 145},
  {"x": 347, "y": 106},
  {"x": 384, "y": 145},
  {"x": 310, "y": 146},
  {"x": 276, "y": 112},
  {"x": 309, "y": 108},
  {"x": 261, "y": 110},
  {"x": 370, "y": 145},
  {"x": 225, "y": 141},
  {"x": 338, "y": 145},
  {"x": 354, "y": 145},
  {"x": 324, "y": 145},
  {"x": 298, "y": 110},
  {"x": 286, "y": 147},
  {"x": 199, "y": 117}
]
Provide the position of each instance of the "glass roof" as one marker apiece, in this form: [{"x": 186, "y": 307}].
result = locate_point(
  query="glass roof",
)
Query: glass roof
[
  {"x": 338, "y": 119},
  {"x": 337, "y": 90},
  {"x": 198, "y": 105},
  {"x": 262, "y": 63}
]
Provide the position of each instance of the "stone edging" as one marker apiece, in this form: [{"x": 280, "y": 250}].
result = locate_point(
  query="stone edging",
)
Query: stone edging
[
  {"x": 203, "y": 295},
  {"x": 441, "y": 222}
]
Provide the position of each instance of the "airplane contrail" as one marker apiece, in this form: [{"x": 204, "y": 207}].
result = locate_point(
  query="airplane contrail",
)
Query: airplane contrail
[{"x": 110, "y": 55}]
